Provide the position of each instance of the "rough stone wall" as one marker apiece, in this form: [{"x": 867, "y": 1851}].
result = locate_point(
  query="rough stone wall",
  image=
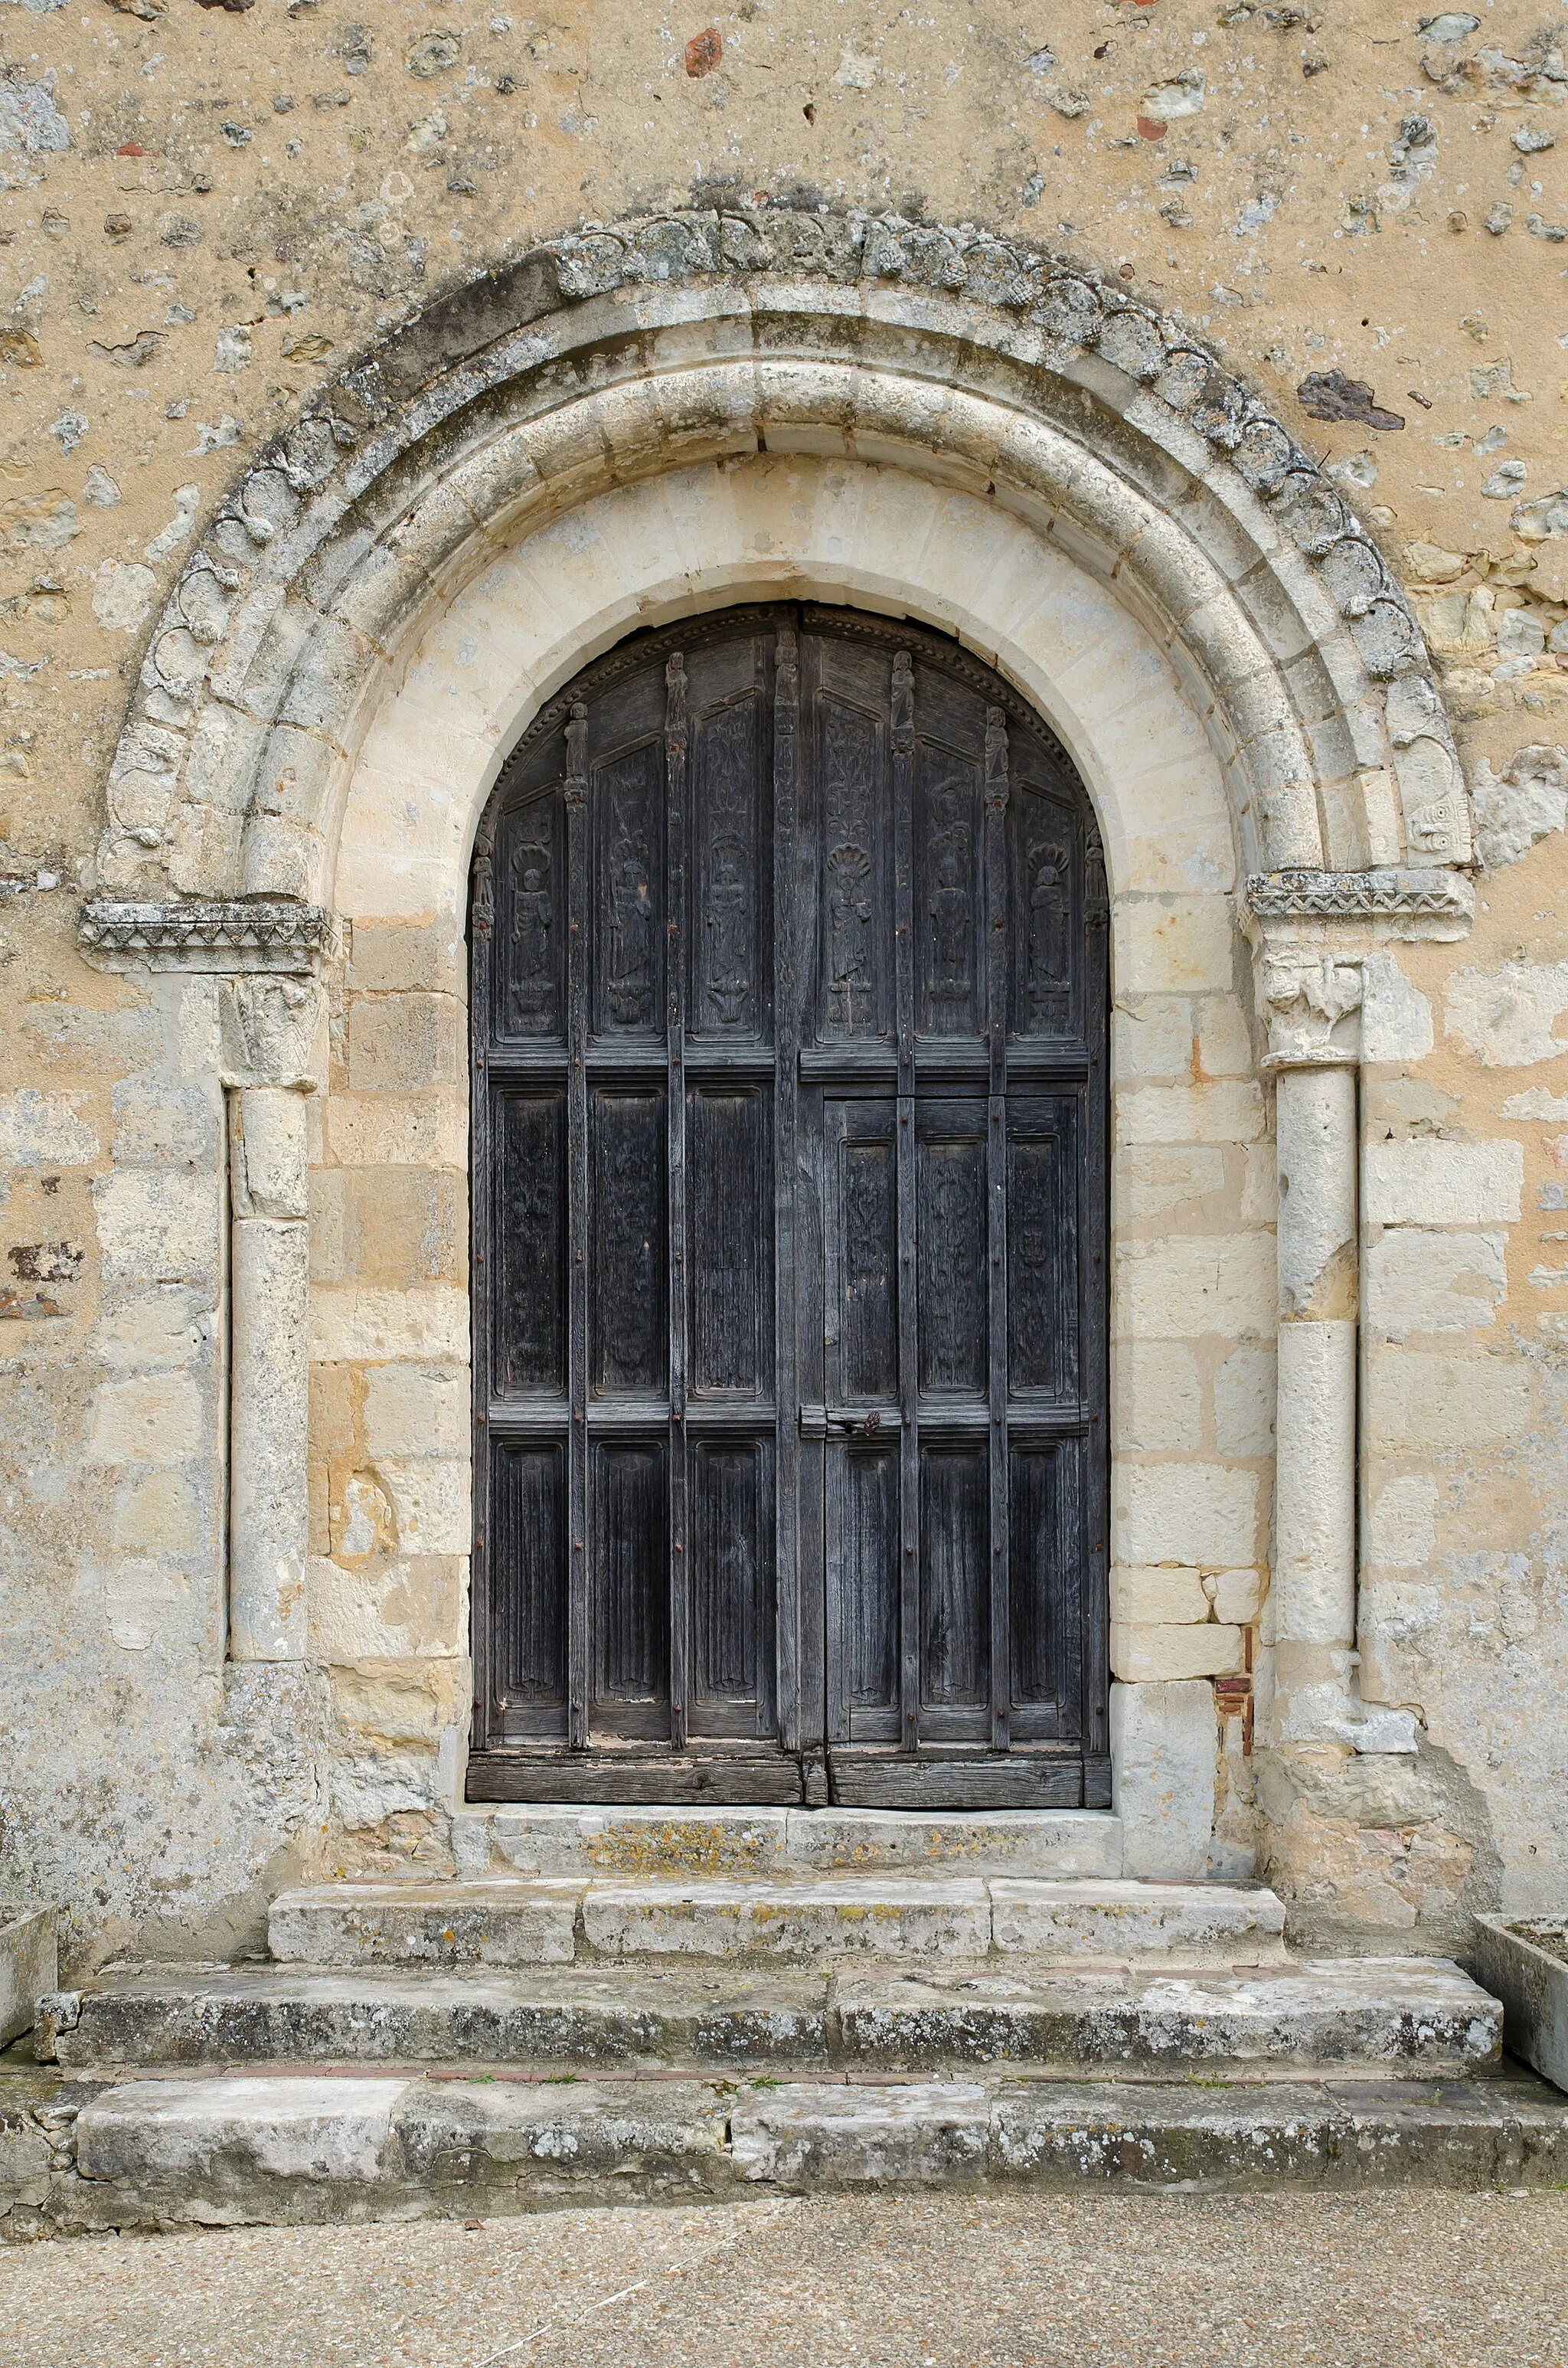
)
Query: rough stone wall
[{"x": 206, "y": 210}]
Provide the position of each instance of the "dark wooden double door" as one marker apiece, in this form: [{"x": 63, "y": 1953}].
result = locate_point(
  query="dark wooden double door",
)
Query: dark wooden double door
[{"x": 789, "y": 1019}]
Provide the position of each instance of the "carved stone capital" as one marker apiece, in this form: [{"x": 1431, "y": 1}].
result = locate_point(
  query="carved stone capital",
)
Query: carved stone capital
[
  {"x": 1313, "y": 1006},
  {"x": 273, "y": 1034},
  {"x": 271, "y": 934}
]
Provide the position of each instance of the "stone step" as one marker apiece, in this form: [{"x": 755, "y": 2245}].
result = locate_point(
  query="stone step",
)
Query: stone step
[
  {"x": 541, "y": 1921},
  {"x": 549, "y": 1839},
  {"x": 1377, "y": 2015},
  {"x": 307, "y": 2148}
]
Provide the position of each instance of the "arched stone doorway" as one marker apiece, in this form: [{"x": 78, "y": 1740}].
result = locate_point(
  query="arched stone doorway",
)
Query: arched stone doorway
[{"x": 791, "y": 1208}]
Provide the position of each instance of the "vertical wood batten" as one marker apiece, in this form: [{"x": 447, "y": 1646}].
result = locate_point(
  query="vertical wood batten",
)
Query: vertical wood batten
[
  {"x": 576, "y": 802},
  {"x": 487, "y": 1708},
  {"x": 996, "y": 974},
  {"x": 1092, "y": 1622},
  {"x": 901, "y": 739},
  {"x": 676, "y": 742},
  {"x": 793, "y": 1721}
]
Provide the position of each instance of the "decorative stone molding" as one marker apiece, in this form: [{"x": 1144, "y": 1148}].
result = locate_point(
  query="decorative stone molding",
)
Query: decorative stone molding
[
  {"x": 268, "y": 936},
  {"x": 627, "y": 350},
  {"x": 1386, "y": 894}
]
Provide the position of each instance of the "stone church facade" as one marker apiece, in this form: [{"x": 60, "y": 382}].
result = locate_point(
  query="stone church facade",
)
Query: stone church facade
[{"x": 993, "y": 402}]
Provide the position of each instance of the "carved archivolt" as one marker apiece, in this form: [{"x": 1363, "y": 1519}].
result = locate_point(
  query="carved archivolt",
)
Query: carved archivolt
[{"x": 632, "y": 348}]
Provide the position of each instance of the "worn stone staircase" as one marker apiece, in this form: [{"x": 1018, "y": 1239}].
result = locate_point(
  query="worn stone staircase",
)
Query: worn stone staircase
[{"x": 649, "y": 2003}]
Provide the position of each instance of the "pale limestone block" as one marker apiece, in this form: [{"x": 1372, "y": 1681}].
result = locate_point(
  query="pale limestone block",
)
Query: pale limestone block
[
  {"x": 400, "y": 954},
  {"x": 1505, "y": 1016},
  {"x": 1168, "y": 1596},
  {"x": 145, "y": 1604},
  {"x": 1401, "y": 1531},
  {"x": 396, "y": 1607},
  {"x": 410, "y": 1411},
  {"x": 323, "y": 2131},
  {"x": 1260, "y": 1184},
  {"x": 430, "y": 1498},
  {"x": 1420, "y": 1280},
  {"x": 1423, "y": 1400},
  {"x": 147, "y": 1330},
  {"x": 404, "y": 1699},
  {"x": 1173, "y": 945},
  {"x": 30, "y": 1966},
  {"x": 1243, "y": 1402},
  {"x": 1149, "y": 1179},
  {"x": 267, "y": 1154},
  {"x": 423, "y": 1324},
  {"x": 1224, "y": 1040},
  {"x": 1147, "y": 1656},
  {"x": 45, "y": 1130},
  {"x": 1153, "y": 1038},
  {"x": 158, "y": 1227},
  {"x": 1164, "y": 1747},
  {"x": 1425, "y": 1182},
  {"x": 1236, "y": 1595},
  {"x": 1197, "y": 1513},
  {"x": 165, "y": 1126},
  {"x": 426, "y": 1130},
  {"x": 159, "y": 1514},
  {"x": 1158, "y": 1396},
  {"x": 1396, "y": 1018},
  {"x": 404, "y": 1043},
  {"x": 149, "y": 1419},
  {"x": 269, "y": 1436},
  {"x": 1227, "y": 1111},
  {"x": 1190, "y": 1284}
]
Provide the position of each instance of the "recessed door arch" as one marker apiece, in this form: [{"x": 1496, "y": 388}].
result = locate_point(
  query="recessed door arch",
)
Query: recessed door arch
[{"x": 788, "y": 1005}]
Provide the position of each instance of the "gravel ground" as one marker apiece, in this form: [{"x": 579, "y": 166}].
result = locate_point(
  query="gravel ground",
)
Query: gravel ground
[{"x": 880, "y": 2282}]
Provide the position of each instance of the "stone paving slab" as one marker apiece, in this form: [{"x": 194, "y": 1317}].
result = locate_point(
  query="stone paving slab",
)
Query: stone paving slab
[
  {"x": 317, "y": 2148},
  {"x": 1353, "y": 2011},
  {"x": 30, "y": 1965},
  {"x": 492, "y": 1923},
  {"x": 583, "y": 2017},
  {"x": 1067, "y": 1918},
  {"x": 557, "y": 1839},
  {"x": 844, "y": 1915}
]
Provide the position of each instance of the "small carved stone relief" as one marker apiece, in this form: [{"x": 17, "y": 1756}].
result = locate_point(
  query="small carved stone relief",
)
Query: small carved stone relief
[
  {"x": 1313, "y": 1004},
  {"x": 272, "y": 1032}
]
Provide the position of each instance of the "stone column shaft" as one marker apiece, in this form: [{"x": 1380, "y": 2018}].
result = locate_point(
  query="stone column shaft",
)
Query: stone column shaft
[
  {"x": 268, "y": 1377},
  {"x": 1314, "y": 1566}
]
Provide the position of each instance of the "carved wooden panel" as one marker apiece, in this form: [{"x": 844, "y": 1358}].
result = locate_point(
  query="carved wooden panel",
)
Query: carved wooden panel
[
  {"x": 734, "y": 881},
  {"x": 629, "y": 1621},
  {"x": 628, "y": 1254},
  {"x": 531, "y": 1563},
  {"x": 730, "y": 1170},
  {"x": 863, "y": 1557},
  {"x": 1046, "y": 1574},
  {"x": 529, "y": 1309},
  {"x": 627, "y": 797},
  {"x": 948, "y": 906},
  {"x": 853, "y": 933},
  {"x": 951, "y": 1248},
  {"x": 731, "y": 1541},
  {"x": 955, "y": 1579},
  {"x": 1043, "y": 1318},
  {"x": 530, "y": 918},
  {"x": 1047, "y": 912}
]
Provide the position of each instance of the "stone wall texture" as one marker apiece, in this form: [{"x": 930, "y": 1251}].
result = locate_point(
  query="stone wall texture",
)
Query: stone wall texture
[{"x": 361, "y": 375}]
